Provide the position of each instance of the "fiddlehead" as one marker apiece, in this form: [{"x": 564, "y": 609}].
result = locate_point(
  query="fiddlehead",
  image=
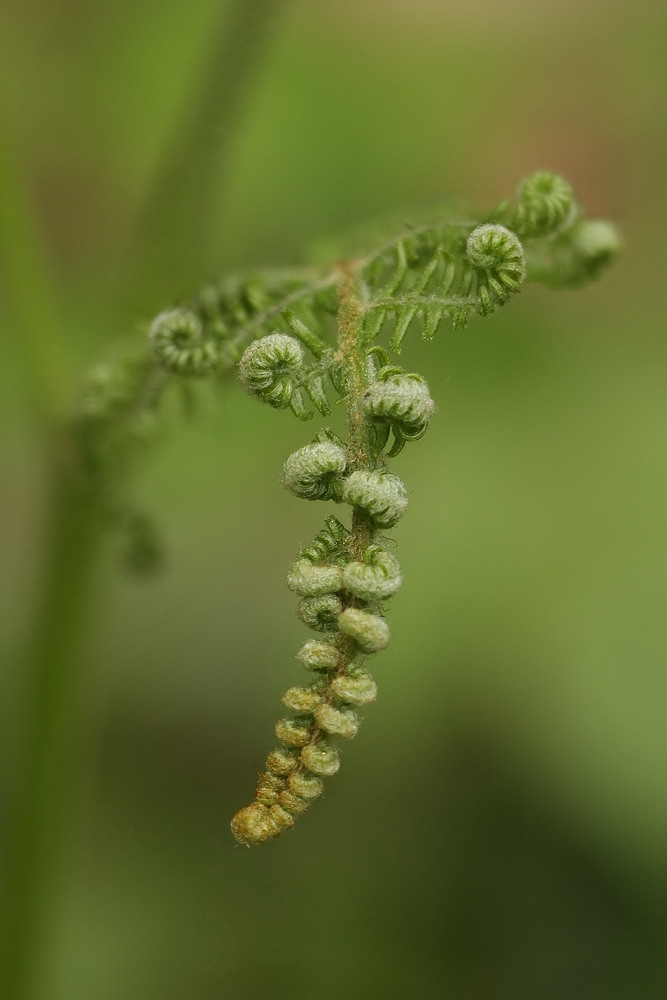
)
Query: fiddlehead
[
  {"x": 374, "y": 579},
  {"x": 381, "y": 495},
  {"x": 496, "y": 254},
  {"x": 577, "y": 256},
  {"x": 545, "y": 204},
  {"x": 563, "y": 248},
  {"x": 279, "y": 328},
  {"x": 314, "y": 471},
  {"x": 346, "y": 575},
  {"x": 273, "y": 369},
  {"x": 401, "y": 403},
  {"x": 178, "y": 342}
]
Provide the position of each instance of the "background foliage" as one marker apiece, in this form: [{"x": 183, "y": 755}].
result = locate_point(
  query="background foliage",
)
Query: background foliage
[{"x": 498, "y": 830}]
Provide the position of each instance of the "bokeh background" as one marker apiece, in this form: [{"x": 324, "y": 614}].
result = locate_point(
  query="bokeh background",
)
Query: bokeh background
[{"x": 498, "y": 830}]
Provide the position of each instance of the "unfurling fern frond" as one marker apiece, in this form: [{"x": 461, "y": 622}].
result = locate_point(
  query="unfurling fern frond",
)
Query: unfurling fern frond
[
  {"x": 401, "y": 403},
  {"x": 345, "y": 576},
  {"x": 304, "y": 337},
  {"x": 238, "y": 311},
  {"x": 179, "y": 344},
  {"x": 496, "y": 254},
  {"x": 447, "y": 271},
  {"x": 545, "y": 205},
  {"x": 577, "y": 256}
]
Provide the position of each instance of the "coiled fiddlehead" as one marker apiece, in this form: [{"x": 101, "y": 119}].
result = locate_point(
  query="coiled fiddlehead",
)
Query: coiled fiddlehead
[
  {"x": 341, "y": 597},
  {"x": 272, "y": 369},
  {"x": 340, "y": 602},
  {"x": 545, "y": 204},
  {"x": 314, "y": 471},
  {"x": 310, "y": 580},
  {"x": 269, "y": 369},
  {"x": 346, "y": 574},
  {"x": 380, "y": 494},
  {"x": 177, "y": 339},
  {"x": 577, "y": 256},
  {"x": 496, "y": 254},
  {"x": 375, "y": 578},
  {"x": 401, "y": 403},
  {"x": 277, "y": 327}
]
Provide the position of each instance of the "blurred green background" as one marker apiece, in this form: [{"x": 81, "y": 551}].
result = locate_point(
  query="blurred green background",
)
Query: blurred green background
[{"x": 498, "y": 831}]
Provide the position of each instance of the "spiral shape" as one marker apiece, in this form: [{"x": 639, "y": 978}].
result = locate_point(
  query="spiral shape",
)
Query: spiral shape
[
  {"x": 377, "y": 578},
  {"x": 344, "y": 576},
  {"x": 294, "y": 732},
  {"x": 545, "y": 205},
  {"x": 269, "y": 369},
  {"x": 369, "y": 631},
  {"x": 313, "y": 472},
  {"x": 318, "y": 655},
  {"x": 320, "y": 613},
  {"x": 269, "y": 788},
  {"x": 177, "y": 340},
  {"x": 255, "y": 824},
  {"x": 311, "y": 580},
  {"x": 355, "y": 686},
  {"x": 321, "y": 758},
  {"x": 403, "y": 401},
  {"x": 491, "y": 247},
  {"x": 381, "y": 494},
  {"x": 337, "y": 721},
  {"x": 292, "y": 803},
  {"x": 305, "y": 785},
  {"x": 281, "y": 761},
  {"x": 302, "y": 699}
]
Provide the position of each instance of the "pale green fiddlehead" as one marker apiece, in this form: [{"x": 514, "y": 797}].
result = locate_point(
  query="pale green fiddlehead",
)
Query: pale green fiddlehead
[
  {"x": 345, "y": 576},
  {"x": 400, "y": 403},
  {"x": 545, "y": 204},
  {"x": 278, "y": 328},
  {"x": 380, "y": 494},
  {"x": 314, "y": 471},
  {"x": 178, "y": 342}
]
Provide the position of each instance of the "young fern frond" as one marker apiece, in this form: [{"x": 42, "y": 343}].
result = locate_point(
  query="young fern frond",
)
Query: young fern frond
[
  {"x": 310, "y": 337},
  {"x": 238, "y": 311}
]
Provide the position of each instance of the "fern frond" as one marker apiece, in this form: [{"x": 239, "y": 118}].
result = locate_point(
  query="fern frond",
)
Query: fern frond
[
  {"x": 238, "y": 311},
  {"x": 437, "y": 272},
  {"x": 453, "y": 267}
]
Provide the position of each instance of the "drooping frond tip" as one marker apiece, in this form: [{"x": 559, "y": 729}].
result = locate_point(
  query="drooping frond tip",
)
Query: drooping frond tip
[{"x": 279, "y": 328}]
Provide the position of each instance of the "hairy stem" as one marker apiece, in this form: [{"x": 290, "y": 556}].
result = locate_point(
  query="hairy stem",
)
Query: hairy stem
[{"x": 351, "y": 357}]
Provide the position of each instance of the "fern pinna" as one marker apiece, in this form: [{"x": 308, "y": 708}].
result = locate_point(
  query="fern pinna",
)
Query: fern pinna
[{"x": 303, "y": 340}]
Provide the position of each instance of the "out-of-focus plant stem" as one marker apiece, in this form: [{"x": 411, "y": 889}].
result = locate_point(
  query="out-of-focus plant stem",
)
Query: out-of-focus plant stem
[
  {"x": 30, "y": 301},
  {"x": 50, "y": 743},
  {"x": 174, "y": 237},
  {"x": 53, "y": 664},
  {"x": 172, "y": 245}
]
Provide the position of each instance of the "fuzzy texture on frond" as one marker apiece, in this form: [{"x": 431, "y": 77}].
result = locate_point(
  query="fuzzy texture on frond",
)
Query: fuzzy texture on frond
[{"x": 304, "y": 340}]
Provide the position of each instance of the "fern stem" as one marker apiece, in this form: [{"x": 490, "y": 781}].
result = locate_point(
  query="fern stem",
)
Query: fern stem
[
  {"x": 50, "y": 734},
  {"x": 351, "y": 356}
]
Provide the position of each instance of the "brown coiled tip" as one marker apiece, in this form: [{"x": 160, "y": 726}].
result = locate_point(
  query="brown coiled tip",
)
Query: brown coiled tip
[{"x": 254, "y": 824}]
